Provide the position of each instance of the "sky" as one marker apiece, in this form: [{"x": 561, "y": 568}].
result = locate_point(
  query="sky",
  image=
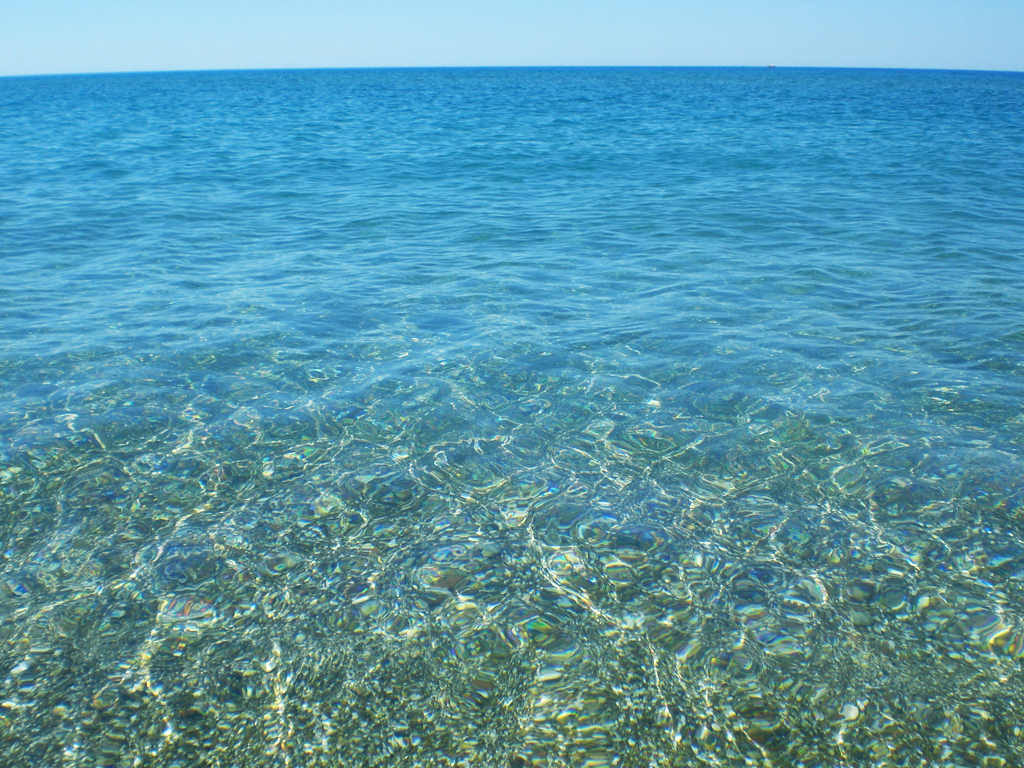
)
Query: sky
[{"x": 73, "y": 36}]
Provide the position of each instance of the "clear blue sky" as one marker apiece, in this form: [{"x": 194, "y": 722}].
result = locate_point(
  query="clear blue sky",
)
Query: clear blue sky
[{"x": 52, "y": 36}]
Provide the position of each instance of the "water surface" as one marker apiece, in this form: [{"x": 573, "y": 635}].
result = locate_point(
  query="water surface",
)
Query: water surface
[{"x": 512, "y": 417}]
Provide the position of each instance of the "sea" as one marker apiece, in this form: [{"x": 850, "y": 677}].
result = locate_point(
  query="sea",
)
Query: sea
[{"x": 437, "y": 418}]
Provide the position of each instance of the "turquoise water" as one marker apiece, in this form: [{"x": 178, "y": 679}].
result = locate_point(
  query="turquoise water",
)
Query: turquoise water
[{"x": 590, "y": 417}]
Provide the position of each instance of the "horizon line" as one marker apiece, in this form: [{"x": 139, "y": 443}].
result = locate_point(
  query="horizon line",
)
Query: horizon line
[{"x": 228, "y": 70}]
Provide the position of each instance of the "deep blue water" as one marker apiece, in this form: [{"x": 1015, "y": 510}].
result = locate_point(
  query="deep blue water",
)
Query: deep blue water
[{"x": 513, "y": 417}]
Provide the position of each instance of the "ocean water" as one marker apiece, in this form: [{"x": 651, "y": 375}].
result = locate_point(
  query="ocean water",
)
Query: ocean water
[{"x": 522, "y": 417}]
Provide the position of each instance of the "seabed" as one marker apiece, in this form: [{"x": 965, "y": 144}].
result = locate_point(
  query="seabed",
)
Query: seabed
[{"x": 489, "y": 562}]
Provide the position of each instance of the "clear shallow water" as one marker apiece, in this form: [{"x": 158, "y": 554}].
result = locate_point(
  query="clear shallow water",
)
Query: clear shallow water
[{"x": 512, "y": 417}]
